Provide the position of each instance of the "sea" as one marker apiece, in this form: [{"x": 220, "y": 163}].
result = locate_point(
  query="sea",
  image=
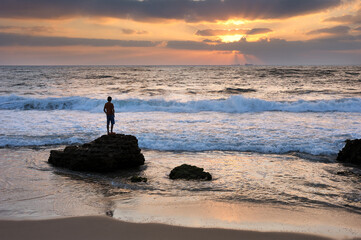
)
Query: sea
[{"x": 269, "y": 135}]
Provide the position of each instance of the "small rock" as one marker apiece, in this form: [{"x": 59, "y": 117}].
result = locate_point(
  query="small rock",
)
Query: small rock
[
  {"x": 138, "y": 179},
  {"x": 189, "y": 172},
  {"x": 348, "y": 173},
  {"x": 109, "y": 213},
  {"x": 344, "y": 173}
]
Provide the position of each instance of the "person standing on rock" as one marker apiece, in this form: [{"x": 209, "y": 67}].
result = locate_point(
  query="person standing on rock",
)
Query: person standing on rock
[{"x": 109, "y": 111}]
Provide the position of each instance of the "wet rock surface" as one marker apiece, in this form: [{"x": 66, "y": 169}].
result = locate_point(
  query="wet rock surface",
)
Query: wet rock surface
[
  {"x": 105, "y": 154},
  {"x": 189, "y": 172},
  {"x": 351, "y": 153}
]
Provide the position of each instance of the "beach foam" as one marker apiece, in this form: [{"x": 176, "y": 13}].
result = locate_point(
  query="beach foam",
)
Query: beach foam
[{"x": 266, "y": 132}]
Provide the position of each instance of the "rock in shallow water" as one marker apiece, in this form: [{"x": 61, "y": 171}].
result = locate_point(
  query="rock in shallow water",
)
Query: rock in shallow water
[
  {"x": 138, "y": 179},
  {"x": 351, "y": 153},
  {"x": 189, "y": 172},
  {"x": 105, "y": 154}
]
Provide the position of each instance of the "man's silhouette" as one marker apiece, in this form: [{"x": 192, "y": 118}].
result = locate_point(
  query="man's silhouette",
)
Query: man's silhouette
[{"x": 109, "y": 111}]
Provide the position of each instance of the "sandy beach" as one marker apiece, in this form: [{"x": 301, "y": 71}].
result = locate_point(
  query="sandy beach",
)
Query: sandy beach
[{"x": 96, "y": 227}]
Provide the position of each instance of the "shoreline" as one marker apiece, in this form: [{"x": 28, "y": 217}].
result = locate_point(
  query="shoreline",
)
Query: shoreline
[
  {"x": 250, "y": 221},
  {"x": 100, "y": 227},
  {"x": 179, "y": 203}
]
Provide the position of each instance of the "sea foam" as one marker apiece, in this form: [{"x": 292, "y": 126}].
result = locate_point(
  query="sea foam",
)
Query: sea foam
[{"x": 233, "y": 104}]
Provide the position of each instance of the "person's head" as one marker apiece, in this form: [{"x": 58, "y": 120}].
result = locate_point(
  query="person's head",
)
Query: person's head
[{"x": 109, "y": 99}]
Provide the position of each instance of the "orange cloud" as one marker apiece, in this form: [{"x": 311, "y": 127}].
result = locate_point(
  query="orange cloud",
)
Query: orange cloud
[
  {"x": 132, "y": 31},
  {"x": 347, "y": 18},
  {"x": 212, "y": 32},
  {"x": 338, "y": 30}
]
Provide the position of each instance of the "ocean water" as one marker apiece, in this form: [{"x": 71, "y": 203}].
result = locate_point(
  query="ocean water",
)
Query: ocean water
[{"x": 268, "y": 134}]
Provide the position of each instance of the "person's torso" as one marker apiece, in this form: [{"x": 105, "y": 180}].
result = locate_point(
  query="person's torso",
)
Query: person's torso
[{"x": 109, "y": 107}]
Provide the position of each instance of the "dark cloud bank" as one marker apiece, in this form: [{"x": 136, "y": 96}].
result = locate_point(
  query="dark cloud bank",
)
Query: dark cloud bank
[
  {"x": 274, "y": 45},
  {"x": 189, "y": 10},
  {"x": 336, "y": 50},
  {"x": 10, "y": 39}
]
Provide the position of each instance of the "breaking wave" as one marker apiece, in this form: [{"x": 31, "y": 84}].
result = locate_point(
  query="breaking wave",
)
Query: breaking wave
[{"x": 233, "y": 104}]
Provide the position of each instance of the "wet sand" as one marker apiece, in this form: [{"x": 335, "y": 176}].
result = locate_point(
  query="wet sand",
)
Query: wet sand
[{"x": 90, "y": 228}]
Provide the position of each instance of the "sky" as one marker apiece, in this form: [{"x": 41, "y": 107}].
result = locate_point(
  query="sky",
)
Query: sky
[{"x": 180, "y": 32}]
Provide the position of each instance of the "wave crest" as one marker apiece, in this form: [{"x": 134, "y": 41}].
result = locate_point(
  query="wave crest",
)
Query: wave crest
[{"x": 233, "y": 104}]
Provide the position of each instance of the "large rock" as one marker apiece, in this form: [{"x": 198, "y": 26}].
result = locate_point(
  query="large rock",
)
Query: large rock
[
  {"x": 189, "y": 172},
  {"x": 105, "y": 154},
  {"x": 351, "y": 153}
]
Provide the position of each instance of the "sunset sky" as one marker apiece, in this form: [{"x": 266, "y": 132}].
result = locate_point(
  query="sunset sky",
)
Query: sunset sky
[{"x": 180, "y": 32}]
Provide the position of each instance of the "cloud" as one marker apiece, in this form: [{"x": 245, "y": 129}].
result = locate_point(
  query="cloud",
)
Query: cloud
[
  {"x": 338, "y": 30},
  {"x": 33, "y": 29},
  {"x": 131, "y": 31},
  {"x": 128, "y": 31},
  {"x": 189, "y": 10},
  {"x": 256, "y": 31},
  {"x": 190, "y": 45},
  {"x": 274, "y": 45},
  {"x": 280, "y": 51},
  {"x": 212, "y": 41},
  {"x": 353, "y": 19},
  {"x": 213, "y": 32},
  {"x": 10, "y": 39},
  {"x": 358, "y": 29}
]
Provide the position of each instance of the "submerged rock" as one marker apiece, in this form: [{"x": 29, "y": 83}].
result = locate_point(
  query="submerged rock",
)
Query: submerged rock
[
  {"x": 188, "y": 172},
  {"x": 105, "y": 154},
  {"x": 348, "y": 173},
  {"x": 351, "y": 153}
]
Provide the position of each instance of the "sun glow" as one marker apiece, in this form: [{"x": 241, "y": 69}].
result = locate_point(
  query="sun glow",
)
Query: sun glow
[
  {"x": 231, "y": 38},
  {"x": 233, "y": 22}
]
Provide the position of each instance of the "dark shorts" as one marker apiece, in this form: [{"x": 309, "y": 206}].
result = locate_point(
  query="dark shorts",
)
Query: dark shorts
[{"x": 110, "y": 118}]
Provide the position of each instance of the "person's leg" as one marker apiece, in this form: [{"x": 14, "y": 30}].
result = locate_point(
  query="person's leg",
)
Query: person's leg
[
  {"x": 112, "y": 121},
  {"x": 108, "y": 121},
  {"x": 111, "y": 128}
]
